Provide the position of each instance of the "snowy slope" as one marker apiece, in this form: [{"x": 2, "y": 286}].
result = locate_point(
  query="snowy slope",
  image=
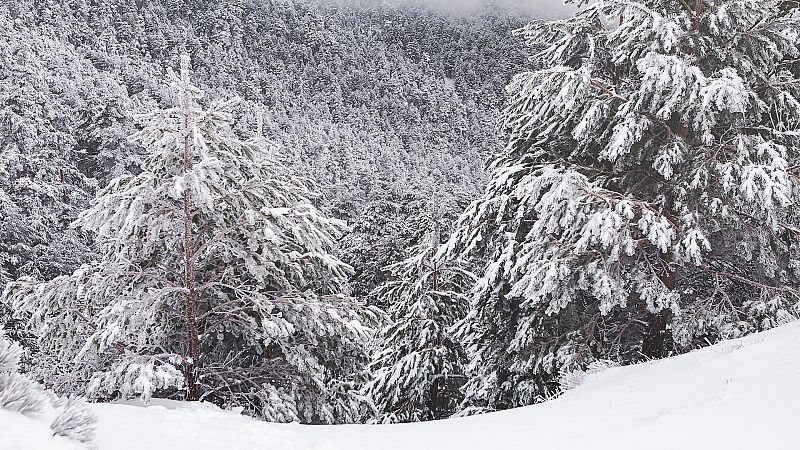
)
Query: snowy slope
[
  {"x": 741, "y": 394},
  {"x": 18, "y": 432}
]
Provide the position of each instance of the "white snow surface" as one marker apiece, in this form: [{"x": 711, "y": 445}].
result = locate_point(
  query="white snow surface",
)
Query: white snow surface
[
  {"x": 19, "y": 432},
  {"x": 740, "y": 394}
]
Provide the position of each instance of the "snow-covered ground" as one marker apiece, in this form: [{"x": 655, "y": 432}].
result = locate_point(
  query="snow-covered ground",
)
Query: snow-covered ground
[
  {"x": 741, "y": 394},
  {"x": 18, "y": 432}
]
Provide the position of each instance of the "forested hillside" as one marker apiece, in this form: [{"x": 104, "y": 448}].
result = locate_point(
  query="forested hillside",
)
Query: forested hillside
[
  {"x": 387, "y": 113},
  {"x": 351, "y": 211},
  {"x": 390, "y": 111}
]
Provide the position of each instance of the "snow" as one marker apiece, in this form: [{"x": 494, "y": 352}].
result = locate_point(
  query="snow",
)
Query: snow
[
  {"x": 739, "y": 394},
  {"x": 20, "y": 432}
]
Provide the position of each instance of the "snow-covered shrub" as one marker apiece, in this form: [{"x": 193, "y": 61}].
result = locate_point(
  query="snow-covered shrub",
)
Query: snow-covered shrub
[
  {"x": 20, "y": 394},
  {"x": 76, "y": 421},
  {"x": 575, "y": 378},
  {"x": 10, "y": 354},
  {"x": 17, "y": 392}
]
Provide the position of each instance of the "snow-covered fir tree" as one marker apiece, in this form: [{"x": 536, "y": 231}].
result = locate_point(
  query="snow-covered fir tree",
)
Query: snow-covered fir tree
[
  {"x": 418, "y": 369},
  {"x": 216, "y": 279},
  {"x": 646, "y": 201}
]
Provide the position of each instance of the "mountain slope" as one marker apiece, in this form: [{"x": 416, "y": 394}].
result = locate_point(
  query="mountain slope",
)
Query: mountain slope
[{"x": 737, "y": 394}]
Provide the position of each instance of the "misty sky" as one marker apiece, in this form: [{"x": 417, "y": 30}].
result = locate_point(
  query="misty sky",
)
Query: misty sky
[
  {"x": 545, "y": 8},
  {"x": 536, "y": 8}
]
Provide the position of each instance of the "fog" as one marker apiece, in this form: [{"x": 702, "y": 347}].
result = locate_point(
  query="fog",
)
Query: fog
[
  {"x": 532, "y": 8},
  {"x": 542, "y": 8}
]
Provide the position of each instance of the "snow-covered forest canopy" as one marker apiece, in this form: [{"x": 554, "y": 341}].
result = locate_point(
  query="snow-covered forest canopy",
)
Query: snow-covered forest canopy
[{"x": 365, "y": 212}]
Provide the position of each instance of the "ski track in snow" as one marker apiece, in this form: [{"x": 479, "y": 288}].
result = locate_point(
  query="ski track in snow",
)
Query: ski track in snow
[{"x": 740, "y": 394}]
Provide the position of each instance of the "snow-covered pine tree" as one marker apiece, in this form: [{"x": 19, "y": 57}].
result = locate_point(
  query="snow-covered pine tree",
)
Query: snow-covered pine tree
[
  {"x": 216, "y": 276},
  {"x": 644, "y": 203},
  {"x": 48, "y": 91},
  {"x": 57, "y": 316},
  {"x": 418, "y": 369}
]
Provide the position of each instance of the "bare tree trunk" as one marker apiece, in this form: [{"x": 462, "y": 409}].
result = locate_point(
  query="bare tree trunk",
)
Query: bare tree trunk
[
  {"x": 655, "y": 338},
  {"x": 188, "y": 250},
  {"x": 435, "y": 407},
  {"x": 653, "y": 344}
]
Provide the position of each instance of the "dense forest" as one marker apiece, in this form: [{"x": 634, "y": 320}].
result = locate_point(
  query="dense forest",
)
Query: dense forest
[
  {"x": 389, "y": 112},
  {"x": 380, "y": 107},
  {"x": 353, "y": 212}
]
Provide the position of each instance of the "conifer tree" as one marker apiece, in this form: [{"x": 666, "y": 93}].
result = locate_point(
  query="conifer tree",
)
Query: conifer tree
[
  {"x": 419, "y": 367},
  {"x": 645, "y": 202},
  {"x": 216, "y": 277}
]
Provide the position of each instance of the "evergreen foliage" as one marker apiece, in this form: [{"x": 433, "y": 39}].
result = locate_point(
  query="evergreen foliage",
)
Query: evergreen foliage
[
  {"x": 42, "y": 84},
  {"x": 418, "y": 369},
  {"x": 17, "y": 393},
  {"x": 75, "y": 421},
  {"x": 645, "y": 203},
  {"x": 216, "y": 275},
  {"x": 376, "y": 103},
  {"x": 380, "y": 106}
]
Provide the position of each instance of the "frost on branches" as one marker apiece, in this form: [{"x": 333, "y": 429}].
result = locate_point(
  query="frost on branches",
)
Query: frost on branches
[
  {"x": 418, "y": 369},
  {"x": 42, "y": 86},
  {"x": 216, "y": 277},
  {"x": 17, "y": 393},
  {"x": 645, "y": 204},
  {"x": 47, "y": 89},
  {"x": 75, "y": 421}
]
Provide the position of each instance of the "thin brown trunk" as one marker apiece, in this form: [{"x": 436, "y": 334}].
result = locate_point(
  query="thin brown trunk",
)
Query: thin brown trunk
[
  {"x": 188, "y": 254},
  {"x": 655, "y": 338},
  {"x": 698, "y": 8}
]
